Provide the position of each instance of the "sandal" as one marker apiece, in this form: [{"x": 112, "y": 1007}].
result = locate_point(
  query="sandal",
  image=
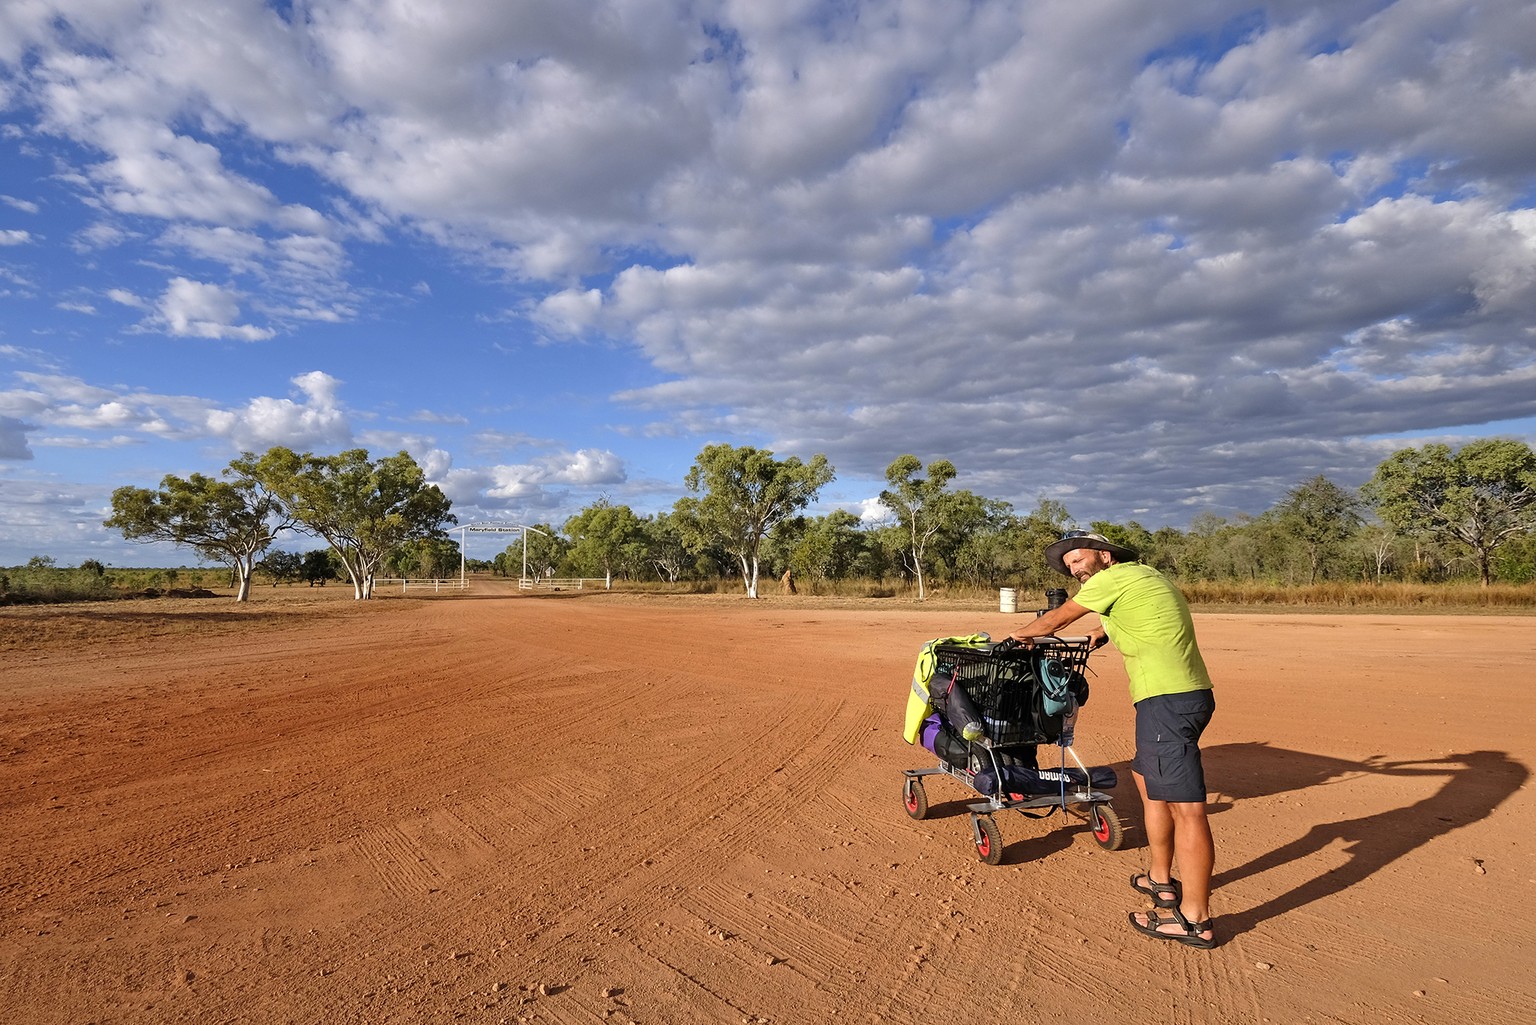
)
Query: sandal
[
  {"x": 1190, "y": 936},
  {"x": 1142, "y": 882}
]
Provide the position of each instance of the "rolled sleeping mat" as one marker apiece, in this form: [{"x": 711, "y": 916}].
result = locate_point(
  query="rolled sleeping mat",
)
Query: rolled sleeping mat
[
  {"x": 1020, "y": 779},
  {"x": 957, "y": 708}
]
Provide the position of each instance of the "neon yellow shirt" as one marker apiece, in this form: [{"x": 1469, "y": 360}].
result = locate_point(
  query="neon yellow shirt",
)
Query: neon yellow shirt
[{"x": 1149, "y": 622}]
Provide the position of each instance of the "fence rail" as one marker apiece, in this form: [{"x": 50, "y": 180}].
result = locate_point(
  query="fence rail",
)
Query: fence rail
[
  {"x": 552, "y": 584},
  {"x": 422, "y": 583}
]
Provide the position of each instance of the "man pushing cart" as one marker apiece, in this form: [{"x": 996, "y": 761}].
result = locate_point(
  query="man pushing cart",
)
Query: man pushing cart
[{"x": 1149, "y": 622}]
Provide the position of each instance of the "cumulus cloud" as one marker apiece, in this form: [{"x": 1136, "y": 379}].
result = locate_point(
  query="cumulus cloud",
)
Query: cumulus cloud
[
  {"x": 434, "y": 462},
  {"x": 51, "y": 518},
  {"x": 533, "y": 487},
  {"x": 570, "y": 312},
  {"x": 60, "y": 401},
  {"x": 101, "y": 235},
  {"x": 196, "y": 309},
  {"x": 13, "y": 438},
  {"x": 585, "y": 468},
  {"x": 314, "y": 420}
]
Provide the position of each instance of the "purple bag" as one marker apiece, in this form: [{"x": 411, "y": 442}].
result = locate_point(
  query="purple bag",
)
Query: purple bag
[{"x": 943, "y": 744}]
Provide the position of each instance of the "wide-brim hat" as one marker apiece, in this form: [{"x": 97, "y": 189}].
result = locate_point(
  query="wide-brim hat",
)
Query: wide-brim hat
[{"x": 1075, "y": 539}]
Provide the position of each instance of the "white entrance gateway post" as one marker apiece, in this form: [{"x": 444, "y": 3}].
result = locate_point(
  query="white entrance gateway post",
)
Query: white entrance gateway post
[{"x": 495, "y": 528}]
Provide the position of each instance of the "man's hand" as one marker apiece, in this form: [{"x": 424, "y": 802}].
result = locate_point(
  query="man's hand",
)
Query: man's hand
[
  {"x": 1049, "y": 624},
  {"x": 1008, "y": 644}
]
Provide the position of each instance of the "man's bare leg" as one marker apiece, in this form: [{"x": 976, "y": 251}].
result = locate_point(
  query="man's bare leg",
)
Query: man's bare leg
[
  {"x": 1195, "y": 852},
  {"x": 1179, "y": 831},
  {"x": 1157, "y": 820}
]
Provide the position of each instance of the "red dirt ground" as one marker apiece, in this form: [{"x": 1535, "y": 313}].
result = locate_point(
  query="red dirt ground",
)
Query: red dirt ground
[{"x": 579, "y": 808}]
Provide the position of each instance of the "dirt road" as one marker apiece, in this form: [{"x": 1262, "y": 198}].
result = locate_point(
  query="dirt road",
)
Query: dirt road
[{"x": 580, "y": 808}]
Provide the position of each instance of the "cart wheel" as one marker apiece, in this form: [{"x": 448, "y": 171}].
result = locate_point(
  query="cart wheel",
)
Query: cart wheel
[
  {"x": 989, "y": 839},
  {"x": 914, "y": 798},
  {"x": 1105, "y": 824}
]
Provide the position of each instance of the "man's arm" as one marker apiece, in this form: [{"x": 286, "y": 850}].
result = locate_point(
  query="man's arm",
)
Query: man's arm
[{"x": 1044, "y": 626}]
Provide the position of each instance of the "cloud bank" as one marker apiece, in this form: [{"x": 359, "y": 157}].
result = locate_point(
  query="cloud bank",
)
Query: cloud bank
[{"x": 1150, "y": 260}]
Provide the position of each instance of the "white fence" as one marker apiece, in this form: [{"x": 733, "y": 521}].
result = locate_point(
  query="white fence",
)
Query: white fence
[
  {"x": 421, "y": 583},
  {"x": 552, "y": 584}
]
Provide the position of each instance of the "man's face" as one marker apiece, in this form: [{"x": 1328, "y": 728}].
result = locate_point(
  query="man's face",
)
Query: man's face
[{"x": 1083, "y": 563}]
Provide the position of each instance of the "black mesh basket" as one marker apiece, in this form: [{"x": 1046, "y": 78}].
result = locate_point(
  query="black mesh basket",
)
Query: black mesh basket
[{"x": 1006, "y": 688}]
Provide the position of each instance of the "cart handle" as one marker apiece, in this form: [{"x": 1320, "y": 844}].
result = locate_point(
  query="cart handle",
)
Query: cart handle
[{"x": 1048, "y": 641}]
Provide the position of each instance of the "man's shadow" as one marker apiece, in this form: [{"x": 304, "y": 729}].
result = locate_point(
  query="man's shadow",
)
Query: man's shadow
[{"x": 1475, "y": 783}]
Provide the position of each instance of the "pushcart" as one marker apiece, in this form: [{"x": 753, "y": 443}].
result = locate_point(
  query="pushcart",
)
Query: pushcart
[{"x": 997, "y": 709}]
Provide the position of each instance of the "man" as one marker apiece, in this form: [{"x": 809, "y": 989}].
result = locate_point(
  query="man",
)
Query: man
[{"x": 1148, "y": 620}]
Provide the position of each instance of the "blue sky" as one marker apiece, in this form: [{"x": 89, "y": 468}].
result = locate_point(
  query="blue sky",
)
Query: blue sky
[{"x": 1150, "y": 261}]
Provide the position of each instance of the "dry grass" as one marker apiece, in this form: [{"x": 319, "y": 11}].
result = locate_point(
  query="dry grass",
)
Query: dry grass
[{"x": 1435, "y": 597}]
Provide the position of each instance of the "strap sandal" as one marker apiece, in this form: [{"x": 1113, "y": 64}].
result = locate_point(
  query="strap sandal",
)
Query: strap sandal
[
  {"x": 1142, "y": 882},
  {"x": 1190, "y": 936}
]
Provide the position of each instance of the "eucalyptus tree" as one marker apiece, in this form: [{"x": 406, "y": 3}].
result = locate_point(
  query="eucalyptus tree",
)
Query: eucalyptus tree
[
  {"x": 1131, "y": 535},
  {"x": 603, "y": 537},
  {"x": 426, "y": 557},
  {"x": 666, "y": 545},
  {"x": 1165, "y": 552},
  {"x": 281, "y": 566},
  {"x": 320, "y": 565},
  {"x": 1320, "y": 516},
  {"x": 230, "y": 521},
  {"x": 1477, "y": 498},
  {"x": 829, "y": 547},
  {"x": 540, "y": 552},
  {"x": 743, "y": 492},
  {"x": 362, "y": 508},
  {"x": 1375, "y": 548},
  {"x": 1028, "y": 538},
  {"x": 921, "y": 504},
  {"x": 887, "y": 552},
  {"x": 1516, "y": 560},
  {"x": 1201, "y": 557},
  {"x": 974, "y": 542}
]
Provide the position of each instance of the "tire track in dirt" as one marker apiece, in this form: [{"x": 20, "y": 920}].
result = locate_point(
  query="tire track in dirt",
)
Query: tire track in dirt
[
  {"x": 402, "y": 859},
  {"x": 936, "y": 922},
  {"x": 664, "y": 881},
  {"x": 185, "y": 828},
  {"x": 721, "y": 914},
  {"x": 542, "y": 849}
]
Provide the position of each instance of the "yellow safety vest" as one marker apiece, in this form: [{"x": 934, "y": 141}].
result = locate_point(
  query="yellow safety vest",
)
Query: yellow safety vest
[{"x": 919, "y": 706}]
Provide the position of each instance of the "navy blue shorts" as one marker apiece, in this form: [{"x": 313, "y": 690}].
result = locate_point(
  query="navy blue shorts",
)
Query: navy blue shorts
[{"x": 1168, "y": 729}]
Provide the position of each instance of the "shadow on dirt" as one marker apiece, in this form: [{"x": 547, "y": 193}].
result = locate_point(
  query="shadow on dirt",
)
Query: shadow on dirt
[
  {"x": 1475, "y": 783},
  {"x": 1053, "y": 829}
]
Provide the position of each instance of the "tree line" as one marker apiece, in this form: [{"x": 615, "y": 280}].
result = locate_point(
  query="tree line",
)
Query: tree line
[{"x": 1427, "y": 514}]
